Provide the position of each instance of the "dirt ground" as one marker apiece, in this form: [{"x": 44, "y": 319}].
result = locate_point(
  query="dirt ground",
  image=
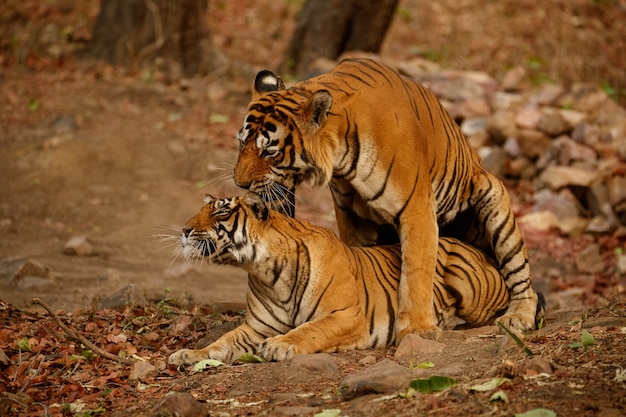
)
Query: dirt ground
[{"x": 123, "y": 157}]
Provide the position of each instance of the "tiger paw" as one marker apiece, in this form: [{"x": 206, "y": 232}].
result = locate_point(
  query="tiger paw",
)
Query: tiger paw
[
  {"x": 186, "y": 357},
  {"x": 521, "y": 314},
  {"x": 276, "y": 349}
]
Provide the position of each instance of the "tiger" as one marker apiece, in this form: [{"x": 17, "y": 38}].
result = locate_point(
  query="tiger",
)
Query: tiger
[
  {"x": 309, "y": 292},
  {"x": 399, "y": 170}
]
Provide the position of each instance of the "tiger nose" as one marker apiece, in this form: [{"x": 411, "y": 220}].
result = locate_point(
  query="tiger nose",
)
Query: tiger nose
[
  {"x": 243, "y": 184},
  {"x": 187, "y": 231}
]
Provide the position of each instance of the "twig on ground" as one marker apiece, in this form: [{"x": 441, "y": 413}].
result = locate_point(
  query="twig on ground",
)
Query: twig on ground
[{"x": 82, "y": 339}]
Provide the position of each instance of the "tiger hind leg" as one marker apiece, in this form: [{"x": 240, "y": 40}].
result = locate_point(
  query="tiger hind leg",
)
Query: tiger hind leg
[{"x": 496, "y": 224}]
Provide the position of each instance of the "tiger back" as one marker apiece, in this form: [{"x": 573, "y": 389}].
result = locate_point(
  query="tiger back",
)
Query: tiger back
[{"x": 309, "y": 292}]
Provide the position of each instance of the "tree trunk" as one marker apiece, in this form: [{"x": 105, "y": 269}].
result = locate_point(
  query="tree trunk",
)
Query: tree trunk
[
  {"x": 327, "y": 28},
  {"x": 171, "y": 35}
]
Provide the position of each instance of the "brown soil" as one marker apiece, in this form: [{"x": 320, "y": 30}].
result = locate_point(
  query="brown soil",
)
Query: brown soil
[{"x": 123, "y": 157}]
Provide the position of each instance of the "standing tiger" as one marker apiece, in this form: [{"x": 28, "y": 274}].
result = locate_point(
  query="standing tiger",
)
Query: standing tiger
[
  {"x": 395, "y": 160},
  {"x": 309, "y": 292}
]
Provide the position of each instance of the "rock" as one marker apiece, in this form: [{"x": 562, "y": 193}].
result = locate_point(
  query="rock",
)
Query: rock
[
  {"x": 180, "y": 324},
  {"x": 586, "y": 133},
  {"x": 179, "y": 404},
  {"x": 142, "y": 371},
  {"x": 63, "y": 123},
  {"x": 511, "y": 147},
  {"x": 572, "y": 151},
  {"x": 557, "y": 177},
  {"x": 515, "y": 79},
  {"x": 521, "y": 167},
  {"x": 494, "y": 159},
  {"x": 539, "y": 220},
  {"x": 502, "y": 101},
  {"x": 385, "y": 377},
  {"x": 413, "y": 344},
  {"x": 563, "y": 204},
  {"x": 126, "y": 297},
  {"x": 599, "y": 202},
  {"x": 599, "y": 225},
  {"x": 528, "y": 118},
  {"x": 552, "y": 123},
  {"x": 78, "y": 245},
  {"x": 546, "y": 95},
  {"x": 472, "y": 126},
  {"x": 317, "y": 363},
  {"x": 471, "y": 109},
  {"x": 368, "y": 360},
  {"x": 24, "y": 273},
  {"x": 616, "y": 186},
  {"x": 500, "y": 126},
  {"x": 589, "y": 259},
  {"x": 537, "y": 365},
  {"x": 418, "y": 68},
  {"x": 532, "y": 143}
]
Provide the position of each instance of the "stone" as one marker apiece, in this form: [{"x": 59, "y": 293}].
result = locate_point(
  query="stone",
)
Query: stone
[
  {"x": 142, "y": 371},
  {"x": 546, "y": 95},
  {"x": 515, "y": 79},
  {"x": 494, "y": 159},
  {"x": 385, "y": 377},
  {"x": 538, "y": 365},
  {"x": 616, "y": 186},
  {"x": 418, "y": 68},
  {"x": 500, "y": 126},
  {"x": 368, "y": 360},
  {"x": 521, "y": 167},
  {"x": 598, "y": 200},
  {"x": 539, "y": 220},
  {"x": 179, "y": 404},
  {"x": 589, "y": 260},
  {"x": 17, "y": 272},
  {"x": 511, "y": 147},
  {"x": 413, "y": 344},
  {"x": 502, "y": 101},
  {"x": 528, "y": 118},
  {"x": 533, "y": 143},
  {"x": 552, "y": 123},
  {"x": 557, "y": 177},
  {"x": 599, "y": 225},
  {"x": 78, "y": 245},
  {"x": 124, "y": 298},
  {"x": 63, "y": 123},
  {"x": 317, "y": 363},
  {"x": 563, "y": 204},
  {"x": 471, "y": 108},
  {"x": 572, "y": 151},
  {"x": 473, "y": 126}
]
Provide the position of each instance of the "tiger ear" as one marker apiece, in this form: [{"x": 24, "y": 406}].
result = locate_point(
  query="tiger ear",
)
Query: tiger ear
[
  {"x": 257, "y": 205},
  {"x": 208, "y": 198},
  {"x": 266, "y": 82},
  {"x": 315, "y": 110}
]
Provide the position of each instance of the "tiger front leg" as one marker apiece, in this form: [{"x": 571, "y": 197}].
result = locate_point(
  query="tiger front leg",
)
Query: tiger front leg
[
  {"x": 227, "y": 349},
  {"x": 492, "y": 205},
  {"x": 419, "y": 237},
  {"x": 342, "y": 330}
]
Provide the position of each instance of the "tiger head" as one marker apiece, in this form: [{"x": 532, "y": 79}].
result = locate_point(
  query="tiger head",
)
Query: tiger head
[
  {"x": 283, "y": 141},
  {"x": 223, "y": 230}
]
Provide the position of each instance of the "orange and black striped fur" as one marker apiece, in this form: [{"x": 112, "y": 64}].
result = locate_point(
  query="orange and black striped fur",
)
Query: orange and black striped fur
[
  {"x": 309, "y": 292},
  {"x": 395, "y": 162}
]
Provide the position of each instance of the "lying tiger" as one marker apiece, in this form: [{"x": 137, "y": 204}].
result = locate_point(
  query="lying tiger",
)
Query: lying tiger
[{"x": 309, "y": 292}]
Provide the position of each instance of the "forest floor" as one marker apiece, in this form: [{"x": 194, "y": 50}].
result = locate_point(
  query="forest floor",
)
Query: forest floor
[{"x": 123, "y": 157}]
